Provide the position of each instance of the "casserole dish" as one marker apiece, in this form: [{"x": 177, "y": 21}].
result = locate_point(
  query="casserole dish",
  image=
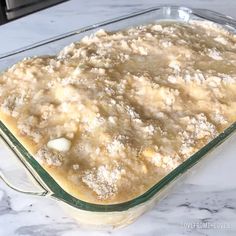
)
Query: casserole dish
[{"x": 109, "y": 215}]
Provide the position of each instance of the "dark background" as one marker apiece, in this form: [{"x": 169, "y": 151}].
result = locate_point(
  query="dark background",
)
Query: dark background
[{"x": 13, "y": 9}]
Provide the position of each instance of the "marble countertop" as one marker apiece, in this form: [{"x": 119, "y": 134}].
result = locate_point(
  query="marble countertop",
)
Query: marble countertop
[{"x": 204, "y": 204}]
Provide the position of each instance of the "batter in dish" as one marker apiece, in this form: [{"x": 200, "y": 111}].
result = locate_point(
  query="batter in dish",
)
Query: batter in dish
[{"x": 112, "y": 114}]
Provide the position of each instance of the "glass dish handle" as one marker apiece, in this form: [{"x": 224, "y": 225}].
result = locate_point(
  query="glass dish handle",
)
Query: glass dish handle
[
  {"x": 215, "y": 17},
  {"x": 14, "y": 173}
]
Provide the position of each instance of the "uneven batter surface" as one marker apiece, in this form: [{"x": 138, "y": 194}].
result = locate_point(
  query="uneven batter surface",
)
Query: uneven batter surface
[{"x": 110, "y": 115}]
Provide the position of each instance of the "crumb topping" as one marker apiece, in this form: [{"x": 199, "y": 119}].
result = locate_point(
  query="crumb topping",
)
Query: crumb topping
[
  {"x": 102, "y": 180},
  {"x": 115, "y": 112}
]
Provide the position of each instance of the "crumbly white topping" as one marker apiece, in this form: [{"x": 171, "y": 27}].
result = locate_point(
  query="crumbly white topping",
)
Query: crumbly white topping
[
  {"x": 27, "y": 128},
  {"x": 12, "y": 103},
  {"x": 197, "y": 128},
  {"x": 221, "y": 39},
  {"x": 102, "y": 181},
  {"x": 219, "y": 118},
  {"x": 49, "y": 157},
  {"x": 213, "y": 53},
  {"x": 144, "y": 99},
  {"x": 116, "y": 148},
  {"x": 200, "y": 127},
  {"x": 75, "y": 166},
  {"x": 175, "y": 65},
  {"x": 165, "y": 161}
]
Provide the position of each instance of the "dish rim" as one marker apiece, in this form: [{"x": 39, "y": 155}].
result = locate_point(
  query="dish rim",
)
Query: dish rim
[{"x": 52, "y": 187}]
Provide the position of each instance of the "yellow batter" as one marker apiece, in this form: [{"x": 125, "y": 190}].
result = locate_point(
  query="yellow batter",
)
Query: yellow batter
[{"x": 110, "y": 115}]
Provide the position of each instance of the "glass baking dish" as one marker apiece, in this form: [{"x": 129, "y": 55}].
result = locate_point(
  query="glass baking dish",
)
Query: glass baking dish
[{"x": 41, "y": 183}]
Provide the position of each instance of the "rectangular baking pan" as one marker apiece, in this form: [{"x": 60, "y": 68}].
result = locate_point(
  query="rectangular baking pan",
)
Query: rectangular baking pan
[{"x": 97, "y": 215}]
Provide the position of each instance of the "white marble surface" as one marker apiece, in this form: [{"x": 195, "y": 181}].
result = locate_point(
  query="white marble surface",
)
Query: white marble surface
[{"x": 205, "y": 204}]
